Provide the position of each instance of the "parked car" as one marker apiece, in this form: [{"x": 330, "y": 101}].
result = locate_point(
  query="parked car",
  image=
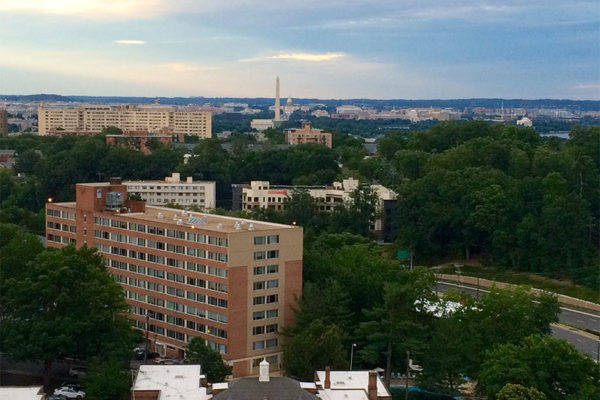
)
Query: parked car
[
  {"x": 56, "y": 397},
  {"x": 78, "y": 372},
  {"x": 74, "y": 386},
  {"x": 69, "y": 393},
  {"x": 168, "y": 361}
]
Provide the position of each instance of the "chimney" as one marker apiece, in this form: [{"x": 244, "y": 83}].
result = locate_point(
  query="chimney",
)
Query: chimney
[
  {"x": 327, "y": 383},
  {"x": 372, "y": 388},
  {"x": 263, "y": 375}
]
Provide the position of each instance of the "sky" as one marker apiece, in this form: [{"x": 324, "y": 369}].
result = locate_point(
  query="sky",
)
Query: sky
[{"x": 381, "y": 49}]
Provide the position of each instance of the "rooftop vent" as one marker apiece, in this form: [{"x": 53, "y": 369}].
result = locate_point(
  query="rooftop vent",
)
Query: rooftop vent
[
  {"x": 237, "y": 226},
  {"x": 115, "y": 180},
  {"x": 220, "y": 226},
  {"x": 251, "y": 227},
  {"x": 160, "y": 215},
  {"x": 179, "y": 222}
]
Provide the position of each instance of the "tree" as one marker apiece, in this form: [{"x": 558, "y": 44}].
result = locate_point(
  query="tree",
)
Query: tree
[
  {"x": 313, "y": 347},
  {"x": 552, "y": 366},
  {"x": 394, "y": 327},
  {"x": 107, "y": 381},
  {"x": 111, "y": 130},
  {"x": 198, "y": 352},
  {"x": 518, "y": 392},
  {"x": 65, "y": 303}
]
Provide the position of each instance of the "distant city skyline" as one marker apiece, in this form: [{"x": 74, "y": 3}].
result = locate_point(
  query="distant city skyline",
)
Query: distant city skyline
[{"x": 383, "y": 49}]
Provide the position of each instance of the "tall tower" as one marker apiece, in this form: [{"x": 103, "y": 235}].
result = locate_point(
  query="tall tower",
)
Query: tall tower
[{"x": 277, "y": 106}]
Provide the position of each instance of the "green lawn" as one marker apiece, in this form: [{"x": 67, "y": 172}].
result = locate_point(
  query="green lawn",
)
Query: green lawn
[{"x": 528, "y": 279}]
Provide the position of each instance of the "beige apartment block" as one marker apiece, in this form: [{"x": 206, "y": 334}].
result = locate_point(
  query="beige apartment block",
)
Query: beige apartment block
[
  {"x": 187, "y": 193},
  {"x": 308, "y": 134},
  {"x": 90, "y": 119},
  {"x": 232, "y": 282}
]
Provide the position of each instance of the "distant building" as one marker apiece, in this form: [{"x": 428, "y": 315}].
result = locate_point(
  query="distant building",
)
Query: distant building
[
  {"x": 173, "y": 190},
  {"x": 261, "y": 124},
  {"x": 260, "y": 194},
  {"x": 320, "y": 113},
  {"x": 525, "y": 122},
  {"x": 181, "y": 382},
  {"x": 232, "y": 282},
  {"x": 3, "y": 122},
  {"x": 138, "y": 140},
  {"x": 7, "y": 158},
  {"x": 91, "y": 119},
  {"x": 308, "y": 134}
]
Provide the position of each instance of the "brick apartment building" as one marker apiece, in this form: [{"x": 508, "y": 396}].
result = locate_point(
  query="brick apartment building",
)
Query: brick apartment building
[{"x": 231, "y": 281}]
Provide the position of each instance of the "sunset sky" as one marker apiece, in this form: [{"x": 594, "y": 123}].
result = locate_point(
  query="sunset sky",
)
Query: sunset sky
[{"x": 412, "y": 49}]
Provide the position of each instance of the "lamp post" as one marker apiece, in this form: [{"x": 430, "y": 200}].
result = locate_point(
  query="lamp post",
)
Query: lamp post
[
  {"x": 147, "y": 329},
  {"x": 352, "y": 354}
]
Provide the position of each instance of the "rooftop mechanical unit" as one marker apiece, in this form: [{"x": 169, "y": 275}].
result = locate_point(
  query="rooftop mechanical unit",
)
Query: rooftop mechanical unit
[{"x": 114, "y": 200}]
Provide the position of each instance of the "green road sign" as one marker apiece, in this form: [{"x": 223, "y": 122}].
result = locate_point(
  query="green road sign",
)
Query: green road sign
[{"x": 403, "y": 254}]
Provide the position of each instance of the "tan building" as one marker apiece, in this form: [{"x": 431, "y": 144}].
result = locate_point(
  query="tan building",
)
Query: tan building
[
  {"x": 230, "y": 281},
  {"x": 260, "y": 194},
  {"x": 308, "y": 134},
  {"x": 90, "y": 119},
  {"x": 173, "y": 190},
  {"x": 3, "y": 122}
]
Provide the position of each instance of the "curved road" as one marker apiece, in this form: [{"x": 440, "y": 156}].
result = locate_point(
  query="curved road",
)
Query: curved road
[{"x": 583, "y": 341}]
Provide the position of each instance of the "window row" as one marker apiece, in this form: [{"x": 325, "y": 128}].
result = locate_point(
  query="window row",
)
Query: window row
[
  {"x": 264, "y": 314},
  {"x": 59, "y": 239},
  {"x": 61, "y": 227},
  {"x": 269, "y": 239},
  {"x": 264, "y": 344},
  {"x": 266, "y": 269},
  {"x": 197, "y": 311},
  {"x": 266, "y": 255},
  {"x": 60, "y": 214},
  {"x": 268, "y": 299},
  {"x": 178, "y": 321},
  {"x": 270, "y": 284},
  {"x": 264, "y": 329}
]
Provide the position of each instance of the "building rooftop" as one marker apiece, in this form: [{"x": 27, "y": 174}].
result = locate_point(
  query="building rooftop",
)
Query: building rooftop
[
  {"x": 278, "y": 388},
  {"x": 350, "y": 380},
  {"x": 175, "y": 382},
  {"x": 197, "y": 220},
  {"x": 22, "y": 392}
]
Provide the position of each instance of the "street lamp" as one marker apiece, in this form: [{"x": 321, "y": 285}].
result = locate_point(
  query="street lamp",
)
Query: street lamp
[
  {"x": 147, "y": 329},
  {"x": 352, "y": 354}
]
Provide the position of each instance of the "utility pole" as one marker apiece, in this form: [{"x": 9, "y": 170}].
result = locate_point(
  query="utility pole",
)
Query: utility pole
[
  {"x": 147, "y": 329},
  {"x": 407, "y": 371}
]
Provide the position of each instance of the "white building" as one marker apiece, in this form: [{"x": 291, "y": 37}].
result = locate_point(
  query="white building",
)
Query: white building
[
  {"x": 261, "y": 124},
  {"x": 173, "y": 190},
  {"x": 525, "y": 122},
  {"x": 22, "y": 392},
  {"x": 350, "y": 385},
  {"x": 181, "y": 382}
]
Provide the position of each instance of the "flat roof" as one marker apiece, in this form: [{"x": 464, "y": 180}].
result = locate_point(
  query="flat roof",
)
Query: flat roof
[
  {"x": 22, "y": 392},
  {"x": 352, "y": 380},
  {"x": 201, "y": 221},
  {"x": 168, "y": 182},
  {"x": 181, "y": 382}
]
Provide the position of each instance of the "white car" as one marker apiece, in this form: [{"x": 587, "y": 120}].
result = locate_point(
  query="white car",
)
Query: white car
[{"x": 70, "y": 393}]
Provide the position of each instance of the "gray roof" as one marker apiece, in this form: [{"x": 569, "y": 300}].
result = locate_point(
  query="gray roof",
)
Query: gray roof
[{"x": 278, "y": 388}]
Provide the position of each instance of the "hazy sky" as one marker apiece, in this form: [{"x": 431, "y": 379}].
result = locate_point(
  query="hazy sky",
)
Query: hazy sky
[{"x": 320, "y": 48}]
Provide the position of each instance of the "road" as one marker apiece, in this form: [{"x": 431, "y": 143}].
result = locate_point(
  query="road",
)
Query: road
[{"x": 584, "y": 342}]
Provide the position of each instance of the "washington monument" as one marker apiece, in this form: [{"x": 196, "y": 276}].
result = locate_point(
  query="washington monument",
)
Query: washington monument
[{"x": 277, "y": 106}]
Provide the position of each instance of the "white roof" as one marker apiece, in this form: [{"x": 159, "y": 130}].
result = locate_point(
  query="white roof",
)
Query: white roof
[
  {"x": 175, "y": 382},
  {"x": 348, "y": 394},
  {"x": 348, "y": 382},
  {"x": 21, "y": 392}
]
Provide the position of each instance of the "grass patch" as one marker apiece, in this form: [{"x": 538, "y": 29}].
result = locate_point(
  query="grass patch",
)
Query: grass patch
[{"x": 528, "y": 279}]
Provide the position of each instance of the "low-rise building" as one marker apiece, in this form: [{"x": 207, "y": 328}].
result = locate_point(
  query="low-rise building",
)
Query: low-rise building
[
  {"x": 164, "y": 382},
  {"x": 261, "y": 124},
  {"x": 308, "y": 134},
  {"x": 350, "y": 385},
  {"x": 188, "y": 193},
  {"x": 232, "y": 282},
  {"x": 261, "y": 194},
  {"x": 525, "y": 122},
  {"x": 139, "y": 140}
]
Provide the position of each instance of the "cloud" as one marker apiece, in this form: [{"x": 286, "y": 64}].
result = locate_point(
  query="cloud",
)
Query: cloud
[
  {"x": 588, "y": 86},
  {"x": 128, "y": 41},
  {"x": 312, "y": 57}
]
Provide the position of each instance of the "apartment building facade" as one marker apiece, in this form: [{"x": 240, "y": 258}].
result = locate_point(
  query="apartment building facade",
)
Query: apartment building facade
[
  {"x": 90, "y": 119},
  {"x": 260, "y": 194},
  {"x": 230, "y": 281},
  {"x": 188, "y": 193},
  {"x": 308, "y": 134}
]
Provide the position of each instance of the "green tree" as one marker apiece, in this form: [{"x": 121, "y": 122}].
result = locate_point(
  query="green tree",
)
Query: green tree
[
  {"x": 198, "y": 352},
  {"x": 517, "y": 392},
  {"x": 394, "y": 326},
  {"x": 111, "y": 130},
  {"x": 313, "y": 347},
  {"x": 65, "y": 303},
  {"x": 552, "y": 366},
  {"x": 107, "y": 381}
]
